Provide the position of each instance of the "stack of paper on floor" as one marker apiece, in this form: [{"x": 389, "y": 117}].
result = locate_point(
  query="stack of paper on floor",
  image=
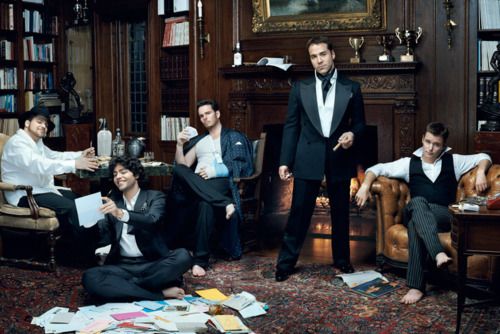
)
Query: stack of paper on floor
[
  {"x": 369, "y": 283},
  {"x": 246, "y": 304}
]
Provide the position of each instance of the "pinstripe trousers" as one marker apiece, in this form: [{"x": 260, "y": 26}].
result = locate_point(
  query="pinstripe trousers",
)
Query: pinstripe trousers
[{"x": 424, "y": 221}]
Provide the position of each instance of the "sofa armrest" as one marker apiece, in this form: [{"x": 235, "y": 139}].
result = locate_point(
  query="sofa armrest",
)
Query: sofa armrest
[
  {"x": 391, "y": 196},
  {"x": 466, "y": 184}
]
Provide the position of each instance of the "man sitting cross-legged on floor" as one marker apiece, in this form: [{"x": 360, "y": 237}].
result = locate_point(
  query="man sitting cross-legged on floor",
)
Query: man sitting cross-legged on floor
[
  {"x": 139, "y": 265},
  {"x": 220, "y": 154},
  {"x": 432, "y": 174}
]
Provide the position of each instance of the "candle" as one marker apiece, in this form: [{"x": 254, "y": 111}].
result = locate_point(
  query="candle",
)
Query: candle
[{"x": 200, "y": 9}]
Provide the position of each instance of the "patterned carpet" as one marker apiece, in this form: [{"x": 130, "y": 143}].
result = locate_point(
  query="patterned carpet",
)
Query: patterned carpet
[{"x": 311, "y": 301}]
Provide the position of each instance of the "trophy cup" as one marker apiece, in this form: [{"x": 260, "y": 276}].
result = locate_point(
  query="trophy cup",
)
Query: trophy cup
[
  {"x": 410, "y": 37},
  {"x": 356, "y": 43},
  {"x": 385, "y": 41}
]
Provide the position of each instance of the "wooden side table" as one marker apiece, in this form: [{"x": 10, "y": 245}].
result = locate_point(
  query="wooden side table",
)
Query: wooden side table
[{"x": 473, "y": 233}]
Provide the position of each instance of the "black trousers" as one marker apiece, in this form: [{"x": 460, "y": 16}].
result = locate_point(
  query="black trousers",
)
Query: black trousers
[
  {"x": 303, "y": 203},
  {"x": 82, "y": 240},
  {"x": 137, "y": 279},
  {"x": 64, "y": 206},
  {"x": 424, "y": 221},
  {"x": 209, "y": 198}
]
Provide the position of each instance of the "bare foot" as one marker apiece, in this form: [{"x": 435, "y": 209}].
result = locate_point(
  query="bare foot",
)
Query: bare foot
[
  {"x": 230, "y": 209},
  {"x": 442, "y": 259},
  {"x": 412, "y": 296},
  {"x": 198, "y": 271},
  {"x": 173, "y": 292}
]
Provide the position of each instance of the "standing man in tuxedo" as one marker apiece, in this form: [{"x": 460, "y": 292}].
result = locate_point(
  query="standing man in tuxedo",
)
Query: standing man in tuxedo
[
  {"x": 325, "y": 116},
  {"x": 139, "y": 265}
]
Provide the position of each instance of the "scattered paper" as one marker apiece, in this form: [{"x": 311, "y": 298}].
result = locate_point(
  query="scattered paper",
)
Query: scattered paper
[
  {"x": 253, "y": 310},
  {"x": 128, "y": 315},
  {"x": 88, "y": 209},
  {"x": 212, "y": 294}
]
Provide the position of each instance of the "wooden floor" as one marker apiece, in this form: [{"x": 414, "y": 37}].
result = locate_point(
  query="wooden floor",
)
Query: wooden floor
[{"x": 317, "y": 247}]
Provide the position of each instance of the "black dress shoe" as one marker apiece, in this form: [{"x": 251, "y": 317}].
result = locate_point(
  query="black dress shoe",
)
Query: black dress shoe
[
  {"x": 282, "y": 275},
  {"x": 346, "y": 268}
]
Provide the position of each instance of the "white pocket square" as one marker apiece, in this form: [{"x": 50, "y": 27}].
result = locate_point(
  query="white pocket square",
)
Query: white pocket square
[{"x": 238, "y": 143}]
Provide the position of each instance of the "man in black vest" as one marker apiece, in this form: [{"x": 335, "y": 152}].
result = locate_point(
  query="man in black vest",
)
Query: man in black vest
[{"x": 432, "y": 174}]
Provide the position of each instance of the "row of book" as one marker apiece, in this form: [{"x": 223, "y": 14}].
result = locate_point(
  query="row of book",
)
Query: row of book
[
  {"x": 38, "y": 80},
  {"x": 38, "y": 52},
  {"x": 489, "y": 17},
  {"x": 48, "y": 99},
  {"x": 8, "y": 126},
  {"x": 41, "y": 23},
  {"x": 174, "y": 67},
  {"x": 483, "y": 90},
  {"x": 7, "y": 103},
  {"x": 6, "y": 16},
  {"x": 175, "y": 99},
  {"x": 176, "y": 31},
  {"x": 6, "y": 50},
  {"x": 485, "y": 51},
  {"x": 171, "y": 126},
  {"x": 8, "y": 78}
]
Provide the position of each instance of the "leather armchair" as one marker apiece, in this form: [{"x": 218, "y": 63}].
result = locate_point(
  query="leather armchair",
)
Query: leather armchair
[
  {"x": 32, "y": 220},
  {"x": 391, "y": 196}
]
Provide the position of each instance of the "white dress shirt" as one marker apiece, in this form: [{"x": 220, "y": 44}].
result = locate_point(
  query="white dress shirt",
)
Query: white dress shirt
[
  {"x": 128, "y": 244},
  {"x": 400, "y": 169},
  {"x": 325, "y": 108},
  {"x": 27, "y": 162}
]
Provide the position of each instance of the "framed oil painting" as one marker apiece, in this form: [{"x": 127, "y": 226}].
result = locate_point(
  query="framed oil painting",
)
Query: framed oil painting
[{"x": 306, "y": 15}]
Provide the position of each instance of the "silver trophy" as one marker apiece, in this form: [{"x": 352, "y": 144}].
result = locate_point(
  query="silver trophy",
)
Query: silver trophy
[
  {"x": 386, "y": 42},
  {"x": 410, "y": 37},
  {"x": 356, "y": 43}
]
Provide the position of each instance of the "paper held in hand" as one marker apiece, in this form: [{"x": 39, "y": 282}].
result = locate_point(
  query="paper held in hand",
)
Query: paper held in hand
[
  {"x": 192, "y": 132},
  {"x": 88, "y": 211}
]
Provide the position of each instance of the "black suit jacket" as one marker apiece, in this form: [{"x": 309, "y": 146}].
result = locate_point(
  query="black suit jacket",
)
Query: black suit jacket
[
  {"x": 304, "y": 148},
  {"x": 146, "y": 221}
]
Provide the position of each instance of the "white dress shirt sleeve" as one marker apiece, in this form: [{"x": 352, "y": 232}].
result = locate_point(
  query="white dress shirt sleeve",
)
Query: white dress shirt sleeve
[
  {"x": 464, "y": 163},
  {"x": 399, "y": 169}
]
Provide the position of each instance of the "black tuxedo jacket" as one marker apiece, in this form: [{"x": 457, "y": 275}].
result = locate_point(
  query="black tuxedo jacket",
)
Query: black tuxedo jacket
[
  {"x": 304, "y": 148},
  {"x": 146, "y": 222}
]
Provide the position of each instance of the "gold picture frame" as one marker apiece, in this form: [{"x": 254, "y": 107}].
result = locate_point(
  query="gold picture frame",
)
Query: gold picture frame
[{"x": 307, "y": 15}]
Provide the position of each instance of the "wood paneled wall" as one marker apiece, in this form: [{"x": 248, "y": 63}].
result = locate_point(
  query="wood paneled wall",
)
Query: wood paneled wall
[{"x": 442, "y": 80}]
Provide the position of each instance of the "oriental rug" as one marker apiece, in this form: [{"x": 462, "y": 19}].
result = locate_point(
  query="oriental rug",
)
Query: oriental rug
[{"x": 310, "y": 301}]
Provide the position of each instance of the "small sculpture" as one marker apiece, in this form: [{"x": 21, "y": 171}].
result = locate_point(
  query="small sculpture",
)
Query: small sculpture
[{"x": 136, "y": 147}]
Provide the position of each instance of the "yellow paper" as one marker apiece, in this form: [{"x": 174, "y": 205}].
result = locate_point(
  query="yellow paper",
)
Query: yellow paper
[
  {"x": 212, "y": 294},
  {"x": 228, "y": 322}
]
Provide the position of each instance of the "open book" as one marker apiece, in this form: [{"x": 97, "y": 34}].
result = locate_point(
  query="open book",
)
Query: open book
[
  {"x": 376, "y": 287},
  {"x": 276, "y": 62}
]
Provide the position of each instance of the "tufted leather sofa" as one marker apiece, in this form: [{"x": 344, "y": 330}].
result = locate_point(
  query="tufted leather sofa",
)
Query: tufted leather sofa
[{"x": 391, "y": 196}]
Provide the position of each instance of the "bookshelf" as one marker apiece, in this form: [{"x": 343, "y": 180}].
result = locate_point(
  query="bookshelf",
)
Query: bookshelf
[
  {"x": 488, "y": 37},
  {"x": 29, "y": 54},
  {"x": 174, "y": 71},
  {"x": 485, "y": 30}
]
